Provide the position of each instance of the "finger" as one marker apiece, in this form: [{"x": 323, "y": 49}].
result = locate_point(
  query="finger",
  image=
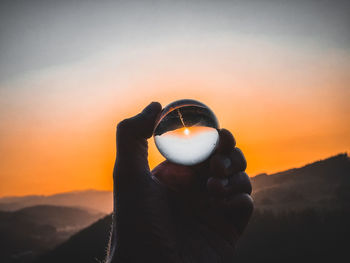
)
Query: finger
[
  {"x": 224, "y": 187},
  {"x": 239, "y": 183},
  {"x": 142, "y": 124},
  {"x": 229, "y": 216},
  {"x": 217, "y": 186},
  {"x": 220, "y": 165},
  {"x": 238, "y": 160},
  {"x": 131, "y": 168},
  {"x": 239, "y": 209},
  {"x": 224, "y": 165},
  {"x": 226, "y": 141},
  {"x": 132, "y": 137}
]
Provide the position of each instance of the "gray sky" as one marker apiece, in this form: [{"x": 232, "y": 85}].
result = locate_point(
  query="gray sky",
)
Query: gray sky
[{"x": 40, "y": 33}]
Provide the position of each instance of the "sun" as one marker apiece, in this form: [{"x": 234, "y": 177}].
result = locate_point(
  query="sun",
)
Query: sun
[{"x": 186, "y": 131}]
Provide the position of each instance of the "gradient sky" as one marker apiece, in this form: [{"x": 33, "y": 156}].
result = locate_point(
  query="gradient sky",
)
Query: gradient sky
[{"x": 276, "y": 73}]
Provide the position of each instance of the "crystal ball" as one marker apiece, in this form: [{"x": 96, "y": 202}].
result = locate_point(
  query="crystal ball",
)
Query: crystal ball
[{"x": 186, "y": 132}]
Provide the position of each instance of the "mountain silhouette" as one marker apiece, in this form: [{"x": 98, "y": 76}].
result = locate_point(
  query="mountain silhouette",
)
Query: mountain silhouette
[
  {"x": 319, "y": 185},
  {"x": 88, "y": 246},
  {"x": 90, "y": 199},
  {"x": 30, "y": 231},
  {"x": 285, "y": 226}
]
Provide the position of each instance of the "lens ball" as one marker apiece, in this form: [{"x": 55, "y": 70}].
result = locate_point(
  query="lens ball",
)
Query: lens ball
[{"x": 186, "y": 132}]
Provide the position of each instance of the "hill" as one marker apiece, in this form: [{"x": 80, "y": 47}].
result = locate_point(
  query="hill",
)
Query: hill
[
  {"x": 90, "y": 199},
  {"x": 287, "y": 228},
  {"x": 88, "y": 246},
  {"x": 319, "y": 185},
  {"x": 30, "y": 231}
]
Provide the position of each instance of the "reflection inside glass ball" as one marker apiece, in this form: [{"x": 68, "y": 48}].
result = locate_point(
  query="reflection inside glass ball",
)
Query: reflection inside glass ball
[{"x": 186, "y": 132}]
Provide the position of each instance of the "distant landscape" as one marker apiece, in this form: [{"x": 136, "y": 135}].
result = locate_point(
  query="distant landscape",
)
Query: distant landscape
[
  {"x": 101, "y": 201},
  {"x": 31, "y": 231},
  {"x": 301, "y": 215}
]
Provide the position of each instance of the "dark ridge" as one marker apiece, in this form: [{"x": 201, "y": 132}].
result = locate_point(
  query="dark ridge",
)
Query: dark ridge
[
  {"x": 320, "y": 184},
  {"x": 88, "y": 246},
  {"x": 301, "y": 215},
  {"x": 91, "y": 200},
  {"x": 28, "y": 232}
]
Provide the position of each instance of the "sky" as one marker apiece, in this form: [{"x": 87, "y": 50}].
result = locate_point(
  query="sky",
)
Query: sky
[{"x": 276, "y": 74}]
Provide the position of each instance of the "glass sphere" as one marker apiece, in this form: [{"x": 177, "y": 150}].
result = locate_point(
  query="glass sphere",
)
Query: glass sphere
[{"x": 186, "y": 132}]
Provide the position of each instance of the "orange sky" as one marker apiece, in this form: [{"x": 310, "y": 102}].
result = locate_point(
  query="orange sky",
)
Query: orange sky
[{"x": 286, "y": 100}]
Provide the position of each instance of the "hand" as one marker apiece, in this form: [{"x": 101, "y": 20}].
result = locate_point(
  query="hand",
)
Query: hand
[{"x": 176, "y": 213}]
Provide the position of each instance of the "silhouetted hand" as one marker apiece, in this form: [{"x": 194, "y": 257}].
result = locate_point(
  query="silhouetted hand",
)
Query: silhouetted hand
[{"x": 176, "y": 213}]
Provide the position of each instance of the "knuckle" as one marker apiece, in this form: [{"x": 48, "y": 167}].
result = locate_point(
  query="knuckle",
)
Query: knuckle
[
  {"x": 240, "y": 183},
  {"x": 247, "y": 184},
  {"x": 249, "y": 188},
  {"x": 227, "y": 142},
  {"x": 249, "y": 205},
  {"x": 239, "y": 162},
  {"x": 123, "y": 125}
]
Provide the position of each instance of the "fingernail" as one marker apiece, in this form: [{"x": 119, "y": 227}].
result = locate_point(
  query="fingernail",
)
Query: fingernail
[
  {"x": 152, "y": 108},
  {"x": 227, "y": 162},
  {"x": 224, "y": 181}
]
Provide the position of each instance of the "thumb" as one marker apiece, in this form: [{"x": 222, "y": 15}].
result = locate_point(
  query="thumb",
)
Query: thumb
[
  {"x": 132, "y": 135},
  {"x": 131, "y": 178}
]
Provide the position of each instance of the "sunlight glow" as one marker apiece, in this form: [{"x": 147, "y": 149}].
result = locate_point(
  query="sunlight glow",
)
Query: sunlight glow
[{"x": 186, "y": 131}]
